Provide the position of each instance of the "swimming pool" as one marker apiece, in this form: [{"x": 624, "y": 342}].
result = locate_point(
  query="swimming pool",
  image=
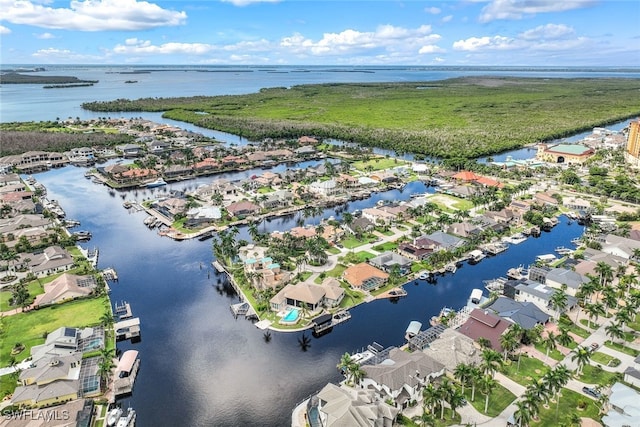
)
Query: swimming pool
[{"x": 291, "y": 316}]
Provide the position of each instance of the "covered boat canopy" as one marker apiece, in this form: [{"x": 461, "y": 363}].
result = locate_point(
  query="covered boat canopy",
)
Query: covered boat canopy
[{"x": 413, "y": 329}]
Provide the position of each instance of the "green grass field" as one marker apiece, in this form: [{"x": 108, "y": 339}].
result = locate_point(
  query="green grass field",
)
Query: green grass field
[
  {"x": 378, "y": 163},
  {"x": 530, "y": 369},
  {"x": 498, "y": 400},
  {"x": 28, "y": 328},
  {"x": 567, "y": 405}
]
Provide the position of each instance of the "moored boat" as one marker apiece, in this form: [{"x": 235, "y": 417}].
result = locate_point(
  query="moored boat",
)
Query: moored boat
[
  {"x": 113, "y": 416},
  {"x": 157, "y": 183}
]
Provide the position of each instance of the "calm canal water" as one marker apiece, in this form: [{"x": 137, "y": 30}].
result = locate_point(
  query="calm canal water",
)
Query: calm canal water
[{"x": 202, "y": 367}]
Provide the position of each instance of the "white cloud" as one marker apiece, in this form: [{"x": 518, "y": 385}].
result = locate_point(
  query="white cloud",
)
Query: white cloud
[
  {"x": 45, "y": 36},
  {"x": 91, "y": 15},
  {"x": 474, "y": 44},
  {"x": 433, "y": 10},
  {"x": 145, "y": 47},
  {"x": 447, "y": 18},
  {"x": 438, "y": 59},
  {"x": 547, "y": 32},
  {"x": 4, "y": 30},
  {"x": 517, "y": 9},
  {"x": 242, "y": 3},
  {"x": 64, "y": 56},
  {"x": 430, "y": 49}
]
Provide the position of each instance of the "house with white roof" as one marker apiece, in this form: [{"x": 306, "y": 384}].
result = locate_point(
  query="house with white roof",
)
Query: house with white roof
[{"x": 624, "y": 409}]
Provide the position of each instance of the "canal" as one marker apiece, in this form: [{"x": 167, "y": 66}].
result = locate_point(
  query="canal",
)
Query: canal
[{"x": 202, "y": 367}]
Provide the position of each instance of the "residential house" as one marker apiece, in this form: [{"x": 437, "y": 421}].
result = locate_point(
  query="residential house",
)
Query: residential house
[
  {"x": 484, "y": 324},
  {"x": 624, "y": 409},
  {"x": 439, "y": 240},
  {"x": 540, "y": 295},
  {"x": 207, "y": 165},
  {"x": 359, "y": 225},
  {"x": 77, "y": 412},
  {"x": 302, "y": 294},
  {"x": 263, "y": 273},
  {"x": 388, "y": 260},
  {"x": 203, "y": 215},
  {"x": 307, "y": 140},
  {"x": 365, "y": 277},
  {"x": 325, "y": 188},
  {"x": 130, "y": 150},
  {"x": 402, "y": 376},
  {"x": 178, "y": 171},
  {"x": 545, "y": 199},
  {"x": 242, "y": 209},
  {"x": 50, "y": 383},
  {"x": 556, "y": 277},
  {"x": 9, "y": 179},
  {"x": 520, "y": 206},
  {"x": 412, "y": 252},
  {"x": 452, "y": 348},
  {"x": 157, "y": 147},
  {"x": 466, "y": 176},
  {"x": 12, "y": 224},
  {"x": 305, "y": 151},
  {"x": 53, "y": 259},
  {"x": 525, "y": 314},
  {"x": 619, "y": 246},
  {"x": 504, "y": 216},
  {"x": 334, "y": 293},
  {"x": 464, "y": 229},
  {"x": 384, "y": 177},
  {"x": 171, "y": 207},
  {"x": 340, "y": 406},
  {"x": 66, "y": 287},
  {"x": 60, "y": 342},
  {"x": 277, "y": 199},
  {"x": 632, "y": 373},
  {"x": 378, "y": 216},
  {"x": 576, "y": 203}
]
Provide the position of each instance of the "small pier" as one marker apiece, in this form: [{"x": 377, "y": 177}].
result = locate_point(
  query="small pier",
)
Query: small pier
[
  {"x": 127, "y": 327},
  {"x": 495, "y": 248},
  {"x": 110, "y": 275},
  {"x": 123, "y": 310},
  {"x": 126, "y": 373},
  {"x": 327, "y": 321},
  {"x": 91, "y": 255}
]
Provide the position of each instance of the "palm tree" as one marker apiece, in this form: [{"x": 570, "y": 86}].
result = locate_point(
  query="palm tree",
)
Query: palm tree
[
  {"x": 581, "y": 356},
  {"x": 564, "y": 338},
  {"x": 445, "y": 390},
  {"x": 550, "y": 343},
  {"x": 522, "y": 415},
  {"x": 605, "y": 273},
  {"x": 463, "y": 374},
  {"x": 558, "y": 302},
  {"x": 609, "y": 298},
  {"x": 623, "y": 316},
  {"x": 508, "y": 342},
  {"x": 487, "y": 385},
  {"x": 561, "y": 376},
  {"x": 345, "y": 363},
  {"x": 430, "y": 397},
  {"x": 107, "y": 319},
  {"x": 491, "y": 362},
  {"x": 484, "y": 342},
  {"x": 475, "y": 375},
  {"x": 594, "y": 310},
  {"x": 455, "y": 401},
  {"x": 614, "y": 331}
]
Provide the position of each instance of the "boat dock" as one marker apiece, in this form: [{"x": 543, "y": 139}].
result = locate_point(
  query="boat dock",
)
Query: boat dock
[
  {"x": 495, "y": 248},
  {"x": 126, "y": 373},
  {"x": 110, "y": 274},
  {"x": 127, "y": 327},
  {"x": 91, "y": 255},
  {"x": 219, "y": 268},
  {"x": 123, "y": 310},
  {"x": 328, "y": 321}
]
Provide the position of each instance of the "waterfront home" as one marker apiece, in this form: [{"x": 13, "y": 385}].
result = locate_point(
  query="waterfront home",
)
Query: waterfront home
[
  {"x": 538, "y": 294},
  {"x": 545, "y": 199},
  {"x": 60, "y": 342},
  {"x": 12, "y": 224},
  {"x": 383, "y": 176},
  {"x": 576, "y": 203},
  {"x": 252, "y": 251},
  {"x": 130, "y": 150},
  {"x": 619, "y": 246},
  {"x": 277, "y": 199},
  {"x": 307, "y": 140},
  {"x": 464, "y": 229},
  {"x": 484, "y": 182},
  {"x": 20, "y": 203},
  {"x": 242, "y": 209},
  {"x": 525, "y": 314},
  {"x": 359, "y": 225},
  {"x": 170, "y": 207},
  {"x": 632, "y": 373},
  {"x": 556, "y": 277},
  {"x": 365, "y": 277},
  {"x": 325, "y": 188},
  {"x": 178, "y": 171},
  {"x": 347, "y": 181},
  {"x": 305, "y": 151},
  {"x": 34, "y": 161},
  {"x": 520, "y": 206},
  {"x": 623, "y": 410},
  {"x": 207, "y": 165},
  {"x": 303, "y": 294},
  {"x": 333, "y": 292},
  {"x": 218, "y": 186},
  {"x": 483, "y": 324},
  {"x": 438, "y": 240},
  {"x": 280, "y": 154},
  {"x": 263, "y": 273},
  {"x": 504, "y": 216},
  {"x": 77, "y": 412},
  {"x": 339, "y": 406},
  {"x": 10, "y": 179},
  {"x": 413, "y": 252},
  {"x": 83, "y": 156},
  {"x": 388, "y": 260},
  {"x": 203, "y": 215},
  {"x": 157, "y": 147},
  {"x": 53, "y": 381},
  {"x": 594, "y": 256},
  {"x": 233, "y": 161},
  {"x": 452, "y": 348},
  {"x": 378, "y": 216},
  {"x": 53, "y": 259},
  {"x": 465, "y": 176},
  {"x": 66, "y": 287},
  {"x": 402, "y": 376}
]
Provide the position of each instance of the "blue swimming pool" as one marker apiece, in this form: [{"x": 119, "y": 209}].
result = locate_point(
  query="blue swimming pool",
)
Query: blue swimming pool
[{"x": 291, "y": 316}]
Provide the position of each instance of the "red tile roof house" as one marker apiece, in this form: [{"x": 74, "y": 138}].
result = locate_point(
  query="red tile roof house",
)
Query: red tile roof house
[
  {"x": 241, "y": 209},
  {"x": 365, "y": 277},
  {"x": 482, "y": 324}
]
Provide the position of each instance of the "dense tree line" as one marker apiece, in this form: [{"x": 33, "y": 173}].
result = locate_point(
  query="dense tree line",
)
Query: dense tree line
[
  {"x": 16, "y": 142},
  {"x": 464, "y": 118}
]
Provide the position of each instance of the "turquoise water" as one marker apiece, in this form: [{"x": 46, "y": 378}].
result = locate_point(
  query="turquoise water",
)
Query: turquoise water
[{"x": 291, "y": 316}]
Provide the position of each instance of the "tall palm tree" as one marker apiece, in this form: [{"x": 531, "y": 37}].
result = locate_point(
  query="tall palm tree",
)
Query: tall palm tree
[
  {"x": 455, "y": 401},
  {"x": 594, "y": 310},
  {"x": 491, "y": 362},
  {"x": 487, "y": 385},
  {"x": 561, "y": 376},
  {"x": 605, "y": 273},
  {"x": 564, "y": 338},
  {"x": 623, "y": 316},
  {"x": 550, "y": 343},
  {"x": 463, "y": 374},
  {"x": 430, "y": 397},
  {"x": 614, "y": 331},
  {"x": 445, "y": 391},
  {"x": 581, "y": 356},
  {"x": 475, "y": 376},
  {"x": 522, "y": 414},
  {"x": 508, "y": 342},
  {"x": 558, "y": 302}
]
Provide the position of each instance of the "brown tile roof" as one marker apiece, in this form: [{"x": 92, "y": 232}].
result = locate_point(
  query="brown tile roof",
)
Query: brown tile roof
[
  {"x": 485, "y": 325},
  {"x": 357, "y": 274}
]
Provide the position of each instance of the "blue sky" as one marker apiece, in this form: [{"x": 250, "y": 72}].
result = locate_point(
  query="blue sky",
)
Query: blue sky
[{"x": 330, "y": 32}]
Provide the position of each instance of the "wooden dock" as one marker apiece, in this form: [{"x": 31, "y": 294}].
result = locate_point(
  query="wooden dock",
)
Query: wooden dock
[
  {"x": 110, "y": 275},
  {"x": 328, "y": 321}
]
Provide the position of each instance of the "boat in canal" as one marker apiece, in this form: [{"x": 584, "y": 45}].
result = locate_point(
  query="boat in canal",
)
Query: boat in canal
[
  {"x": 128, "y": 419},
  {"x": 157, "y": 183},
  {"x": 113, "y": 416},
  {"x": 82, "y": 235}
]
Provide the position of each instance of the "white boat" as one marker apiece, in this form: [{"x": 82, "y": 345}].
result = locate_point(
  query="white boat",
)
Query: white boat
[
  {"x": 128, "y": 419},
  {"x": 113, "y": 416},
  {"x": 360, "y": 358},
  {"x": 157, "y": 183},
  {"x": 476, "y": 256},
  {"x": 423, "y": 276}
]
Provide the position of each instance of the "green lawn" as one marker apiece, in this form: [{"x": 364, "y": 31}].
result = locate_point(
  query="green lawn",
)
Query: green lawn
[
  {"x": 498, "y": 400},
  {"x": 351, "y": 297},
  {"x": 382, "y": 231},
  {"x": 530, "y": 368},
  {"x": 378, "y": 163},
  {"x": 265, "y": 190},
  {"x": 305, "y": 275},
  {"x": 386, "y": 246},
  {"x": 333, "y": 250},
  {"x": 28, "y": 328},
  {"x": 8, "y": 384},
  {"x": 335, "y": 272},
  {"x": 581, "y": 332},
  {"x": 635, "y": 325},
  {"x": 604, "y": 359},
  {"x": 34, "y": 289},
  {"x": 594, "y": 375},
  {"x": 364, "y": 256},
  {"x": 624, "y": 349},
  {"x": 553, "y": 354},
  {"x": 568, "y": 405},
  {"x": 351, "y": 242}
]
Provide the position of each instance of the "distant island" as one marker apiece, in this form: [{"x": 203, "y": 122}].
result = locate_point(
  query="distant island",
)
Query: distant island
[
  {"x": 66, "y": 86},
  {"x": 131, "y": 81},
  {"x": 18, "y": 78}
]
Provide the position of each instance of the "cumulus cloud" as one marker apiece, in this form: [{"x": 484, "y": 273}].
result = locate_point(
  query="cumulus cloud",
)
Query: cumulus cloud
[
  {"x": 447, "y": 18},
  {"x": 547, "y": 32},
  {"x": 45, "y": 36},
  {"x": 387, "y": 38},
  {"x": 433, "y": 10},
  {"x": 91, "y": 15},
  {"x": 242, "y": 3},
  {"x": 517, "y": 9},
  {"x": 64, "y": 55},
  {"x": 4, "y": 30},
  {"x": 145, "y": 47},
  {"x": 474, "y": 44}
]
